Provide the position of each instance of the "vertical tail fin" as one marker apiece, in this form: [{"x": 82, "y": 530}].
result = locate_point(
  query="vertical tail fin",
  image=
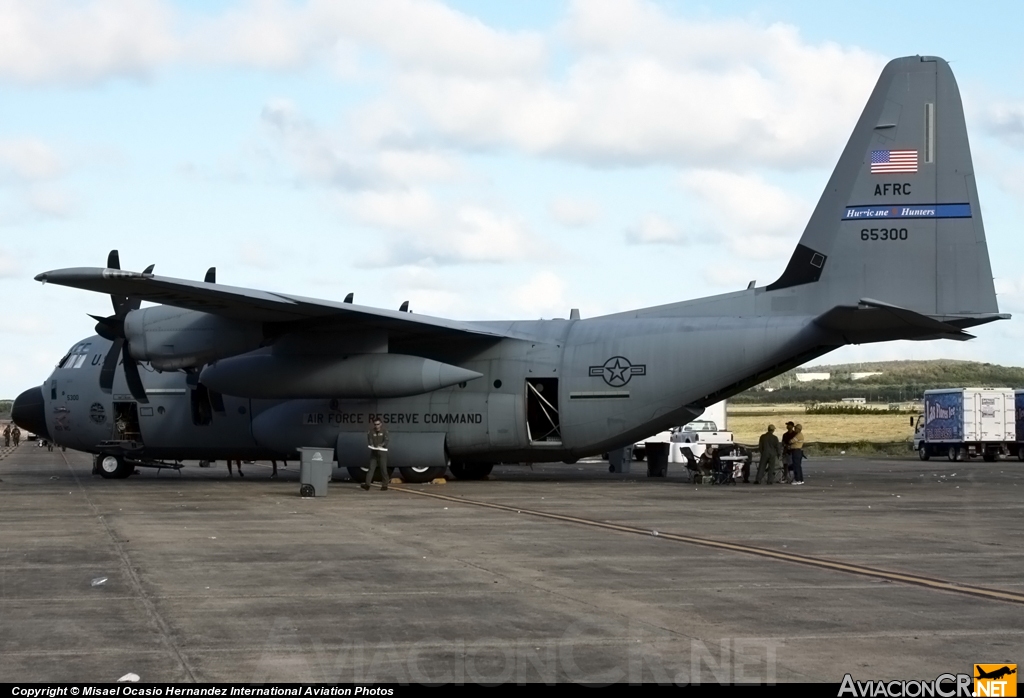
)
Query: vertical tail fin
[{"x": 899, "y": 221}]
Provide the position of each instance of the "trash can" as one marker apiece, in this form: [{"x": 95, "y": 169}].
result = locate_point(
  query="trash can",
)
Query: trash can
[
  {"x": 620, "y": 459},
  {"x": 315, "y": 467},
  {"x": 657, "y": 460}
]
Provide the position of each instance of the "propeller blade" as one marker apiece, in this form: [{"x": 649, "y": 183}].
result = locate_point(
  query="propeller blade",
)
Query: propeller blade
[
  {"x": 111, "y": 328},
  {"x": 131, "y": 374},
  {"x": 123, "y": 304},
  {"x": 110, "y": 365},
  {"x": 211, "y": 275},
  {"x": 113, "y": 260}
]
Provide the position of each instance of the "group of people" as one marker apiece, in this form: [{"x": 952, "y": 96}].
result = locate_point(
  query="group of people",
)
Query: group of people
[
  {"x": 781, "y": 461},
  {"x": 11, "y": 433}
]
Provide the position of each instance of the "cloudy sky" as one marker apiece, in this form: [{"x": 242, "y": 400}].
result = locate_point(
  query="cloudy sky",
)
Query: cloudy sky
[{"x": 482, "y": 160}]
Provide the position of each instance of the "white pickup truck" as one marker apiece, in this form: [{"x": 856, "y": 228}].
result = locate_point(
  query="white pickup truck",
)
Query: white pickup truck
[{"x": 698, "y": 434}]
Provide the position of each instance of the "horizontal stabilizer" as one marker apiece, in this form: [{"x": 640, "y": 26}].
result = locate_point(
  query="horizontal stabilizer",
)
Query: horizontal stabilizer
[{"x": 875, "y": 321}]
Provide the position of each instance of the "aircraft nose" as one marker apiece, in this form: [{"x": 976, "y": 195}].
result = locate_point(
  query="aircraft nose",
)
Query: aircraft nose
[{"x": 29, "y": 412}]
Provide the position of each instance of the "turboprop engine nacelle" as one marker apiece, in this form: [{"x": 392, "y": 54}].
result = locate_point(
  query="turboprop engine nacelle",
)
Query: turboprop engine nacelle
[
  {"x": 357, "y": 376},
  {"x": 171, "y": 338}
]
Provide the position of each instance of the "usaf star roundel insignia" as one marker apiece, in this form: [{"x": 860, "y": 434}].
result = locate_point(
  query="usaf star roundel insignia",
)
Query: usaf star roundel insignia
[{"x": 617, "y": 371}]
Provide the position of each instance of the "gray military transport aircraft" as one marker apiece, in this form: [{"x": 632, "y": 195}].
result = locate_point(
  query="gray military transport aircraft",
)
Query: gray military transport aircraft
[{"x": 895, "y": 249}]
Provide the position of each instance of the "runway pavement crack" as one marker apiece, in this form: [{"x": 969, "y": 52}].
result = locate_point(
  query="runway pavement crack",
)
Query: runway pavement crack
[{"x": 135, "y": 581}]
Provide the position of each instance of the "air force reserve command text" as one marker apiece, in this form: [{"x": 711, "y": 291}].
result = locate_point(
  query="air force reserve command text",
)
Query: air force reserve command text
[{"x": 256, "y": 691}]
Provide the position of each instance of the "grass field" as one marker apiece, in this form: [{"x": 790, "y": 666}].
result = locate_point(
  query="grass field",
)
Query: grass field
[{"x": 748, "y": 425}]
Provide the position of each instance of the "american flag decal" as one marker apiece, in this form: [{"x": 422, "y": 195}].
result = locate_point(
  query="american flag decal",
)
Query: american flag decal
[{"x": 885, "y": 161}]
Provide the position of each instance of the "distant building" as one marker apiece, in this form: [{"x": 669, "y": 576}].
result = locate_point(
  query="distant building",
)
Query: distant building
[
  {"x": 808, "y": 377},
  {"x": 864, "y": 374},
  {"x": 855, "y": 400}
]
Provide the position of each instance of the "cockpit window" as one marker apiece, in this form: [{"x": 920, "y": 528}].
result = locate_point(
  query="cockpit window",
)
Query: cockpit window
[{"x": 76, "y": 356}]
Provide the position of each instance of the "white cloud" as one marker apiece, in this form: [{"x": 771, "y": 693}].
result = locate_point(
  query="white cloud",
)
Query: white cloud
[
  {"x": 30, "y": 159},
  {"x": 396, "y": 209},
  {"x": 316, "y": 154},
  {"x": 459, "y": 234},
  {"x": 414, "y": 34},
  {"x": 311, "y": 151},
  {"x": 1006, "y": 122},
  {"x": 756, "y": 220},
  {"x": 48, "y": 40},
  {"x": 542, "y": 295},
  {"x": 653, "y": 229},
  {"x": 731, "y": 276},
  {"x": 415, "y": 227},
  {"x": 645, "y": 86},
  {"x": 574, "y": 212},
  {"x": 640, "y": 84},
  {"x": 410, "y": 166},
  {"x": 481, "y": 235}
]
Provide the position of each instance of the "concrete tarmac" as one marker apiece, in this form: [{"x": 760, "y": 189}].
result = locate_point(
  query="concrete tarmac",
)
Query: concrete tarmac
[{"x": 200, "y": 577}]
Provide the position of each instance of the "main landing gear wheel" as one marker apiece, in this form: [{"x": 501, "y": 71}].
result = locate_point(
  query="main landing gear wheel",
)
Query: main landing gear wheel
[
  {"x": 359, "y": 474},
  {"x": 114, "y": 467},
  {"x": 923, "y": 453},
  {"x": 423, "y": 474},
  {"x": 461, "y": 471}
]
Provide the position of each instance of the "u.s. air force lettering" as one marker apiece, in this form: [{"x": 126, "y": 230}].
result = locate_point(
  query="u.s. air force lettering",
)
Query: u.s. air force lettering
[
  {"x": 617, "y": 371},
  {"x": 318, "y": 418}
]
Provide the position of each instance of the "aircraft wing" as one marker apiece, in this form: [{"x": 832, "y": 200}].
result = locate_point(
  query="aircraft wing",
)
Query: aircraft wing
[{"x": 255, "y": 305}]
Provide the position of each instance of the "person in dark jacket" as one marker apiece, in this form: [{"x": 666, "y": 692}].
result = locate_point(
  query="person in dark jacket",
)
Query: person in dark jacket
[{"x": 771, "y": 452}]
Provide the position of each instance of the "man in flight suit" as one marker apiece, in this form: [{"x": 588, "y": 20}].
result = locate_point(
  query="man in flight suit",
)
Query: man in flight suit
[
  {"x": 771, "y": 451},
  {"x": 377, "y": 440}
]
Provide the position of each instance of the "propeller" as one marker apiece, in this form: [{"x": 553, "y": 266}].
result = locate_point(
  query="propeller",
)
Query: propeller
[{"x": 112, "y": 328}]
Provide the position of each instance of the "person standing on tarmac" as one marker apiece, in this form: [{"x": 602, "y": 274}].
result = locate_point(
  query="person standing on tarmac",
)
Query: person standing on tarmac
[
  {"x": 796, "y": 448},
  {"x": 16, "y": 434},
  {"x": 787, "y": 456},
  {"x": 377, "y": 441},
  {"x": 770, "y": 450},
  {"x": 7, "y": 435}
]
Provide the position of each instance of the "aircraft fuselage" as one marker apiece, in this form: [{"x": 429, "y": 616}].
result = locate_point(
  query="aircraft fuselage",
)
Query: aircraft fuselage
[{"x": 573, "y": 389}]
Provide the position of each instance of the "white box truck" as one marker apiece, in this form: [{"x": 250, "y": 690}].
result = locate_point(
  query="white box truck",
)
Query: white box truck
[
  {"x": 963, "y": 423},
  {"x": 1018, "y": 408}
]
